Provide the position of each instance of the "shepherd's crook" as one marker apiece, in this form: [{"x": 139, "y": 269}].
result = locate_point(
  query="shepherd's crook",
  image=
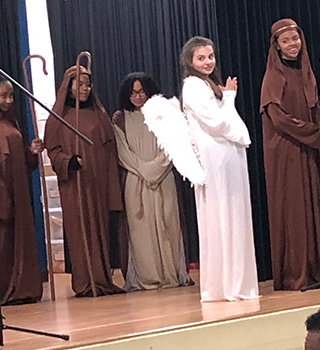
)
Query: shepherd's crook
[
  {"x": 42, "y": 174},
  {"x": 82, "y": 223},
  {"x": 83, "y": 137}
]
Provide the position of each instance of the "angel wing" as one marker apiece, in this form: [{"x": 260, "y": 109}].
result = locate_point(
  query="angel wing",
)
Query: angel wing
[{"x": 165, "y": 119}]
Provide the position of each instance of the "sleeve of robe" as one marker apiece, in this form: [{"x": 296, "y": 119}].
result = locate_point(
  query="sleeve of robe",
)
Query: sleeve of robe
[
  {"x": 114, "y": 191},
  {"x": 315, "y": 111},
  {"x": 217, "y": 118},
  {"x": 5, "y": 176},
  {"x": 304, "y": 132},
  {"x": 6, "y": 202},
  {"x": 32, "y": 160},
  {"x": 59, "y": 159},
  {"x": 52, "y": 140},
  {"x": 152, "y": 171}
]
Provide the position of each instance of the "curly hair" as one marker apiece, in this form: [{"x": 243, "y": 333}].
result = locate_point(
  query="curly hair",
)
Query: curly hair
[
  {"x": 126, "y": 87},
  {"x": 313, "y": 322}
]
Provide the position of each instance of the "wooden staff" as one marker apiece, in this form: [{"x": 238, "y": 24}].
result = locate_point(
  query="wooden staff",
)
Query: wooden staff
[
  {"x": 83, "y": 137},
  {"x": 82, "y": 223},
  {"x": 42, "y": 174}
]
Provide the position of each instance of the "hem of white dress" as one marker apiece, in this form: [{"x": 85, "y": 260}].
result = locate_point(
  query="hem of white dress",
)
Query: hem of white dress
[{"x": 238, "y": 298}]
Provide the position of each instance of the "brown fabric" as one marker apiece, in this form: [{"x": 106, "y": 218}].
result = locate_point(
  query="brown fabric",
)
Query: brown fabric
[
  {"x": 274, "y": 81},
  {"x": 312, "y": 341},
  {"x": 20, "y": 278},
  {"x": 119, "y": 120},
  {"x": 99, "y": 185},
  {"x": 291, "y": 140},
  {"x": 123, "y": 226}
]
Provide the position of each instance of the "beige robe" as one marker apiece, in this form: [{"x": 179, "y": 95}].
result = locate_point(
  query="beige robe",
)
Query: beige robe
[{"x": 156, "y": 254}]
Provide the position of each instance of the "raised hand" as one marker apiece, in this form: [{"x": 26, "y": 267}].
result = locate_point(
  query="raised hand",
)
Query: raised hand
[
  {"x": 72, "y": 71},
  {"x": 231, "y": 84}
]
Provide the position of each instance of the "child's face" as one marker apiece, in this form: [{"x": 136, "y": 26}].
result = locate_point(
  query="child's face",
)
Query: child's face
[
  {"x": 204, "y": 60},
  {"x": 84, "y": 88},
  {"x": 138, "y": 97},
  {"x": 6, "y": 96},
  {"x": 289, "y": 43}
]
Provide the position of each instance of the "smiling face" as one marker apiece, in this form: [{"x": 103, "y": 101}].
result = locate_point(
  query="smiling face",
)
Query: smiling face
[
  {"x": 6, "y": 96},
  {"x": 204, "y": 60},
  {"x": 289, "y": 43},
  {"x": 84, "y": 88}
]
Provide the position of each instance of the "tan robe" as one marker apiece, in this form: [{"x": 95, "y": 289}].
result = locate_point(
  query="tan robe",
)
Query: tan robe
[
  {"x": 20, "y": 279},
  {"x": 156, "y": 254}
]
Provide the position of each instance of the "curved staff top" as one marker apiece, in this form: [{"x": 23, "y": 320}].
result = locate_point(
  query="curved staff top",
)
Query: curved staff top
[{"x": 83, "y": 137}]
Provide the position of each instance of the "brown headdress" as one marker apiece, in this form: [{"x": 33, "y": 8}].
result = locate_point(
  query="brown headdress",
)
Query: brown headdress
[
  {"x": 8, "y": 115},
  {"x": 274, "y": 79},
  {"x": 60, "y": 108}
]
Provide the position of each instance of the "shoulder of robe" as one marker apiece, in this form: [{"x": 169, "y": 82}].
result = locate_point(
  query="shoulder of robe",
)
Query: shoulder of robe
[
  {"x": 196, "y": 85},
  {"x": 118, "y": 117}
]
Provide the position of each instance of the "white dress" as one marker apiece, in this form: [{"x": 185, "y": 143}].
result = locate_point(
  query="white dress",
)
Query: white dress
[{"x": 227, "y": 257}]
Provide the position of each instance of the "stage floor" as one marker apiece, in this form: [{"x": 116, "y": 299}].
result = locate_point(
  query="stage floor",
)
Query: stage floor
[{"x": 104, "y": 319}]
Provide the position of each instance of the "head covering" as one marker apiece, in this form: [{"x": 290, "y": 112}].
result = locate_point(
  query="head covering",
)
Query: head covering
[
  {"x": 9, "y": 116},
  {"x": 64, "y": 93},
  {"x": 275, "y": 79},
  {"x": 61, "y": 106}
]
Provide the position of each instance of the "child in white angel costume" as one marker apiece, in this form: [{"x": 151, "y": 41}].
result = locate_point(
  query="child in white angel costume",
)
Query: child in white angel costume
[{"x": 208, "y": 145}]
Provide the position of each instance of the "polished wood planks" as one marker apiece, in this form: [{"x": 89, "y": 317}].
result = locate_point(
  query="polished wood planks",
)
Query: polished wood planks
[{"x": 98, "y": 320}]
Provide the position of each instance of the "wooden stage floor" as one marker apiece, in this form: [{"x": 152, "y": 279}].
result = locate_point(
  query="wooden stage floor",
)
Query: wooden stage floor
[{"x": 103, "y": 319}]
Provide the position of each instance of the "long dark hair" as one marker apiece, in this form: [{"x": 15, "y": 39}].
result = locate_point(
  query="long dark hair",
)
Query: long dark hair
[
  {"x": 149, "y": 86},
  {"x": 186, "y": 58}
]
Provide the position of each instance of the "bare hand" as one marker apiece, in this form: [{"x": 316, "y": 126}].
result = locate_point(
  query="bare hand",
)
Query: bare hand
[
  {"x": 37, "y": 146},
  {"x": 72, "y": 71},
  {"x": 231, "y": 84}
]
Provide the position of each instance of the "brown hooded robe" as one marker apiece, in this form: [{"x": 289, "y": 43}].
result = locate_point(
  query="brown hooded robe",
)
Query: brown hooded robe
[
  {"x": 20, "y": 278},
  {"x": 291, "y": 134},
  {"x": 99, "y": 184}
]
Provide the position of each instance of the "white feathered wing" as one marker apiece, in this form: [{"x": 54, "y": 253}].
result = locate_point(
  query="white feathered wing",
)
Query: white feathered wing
[{"x": 164, "y": 118}]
